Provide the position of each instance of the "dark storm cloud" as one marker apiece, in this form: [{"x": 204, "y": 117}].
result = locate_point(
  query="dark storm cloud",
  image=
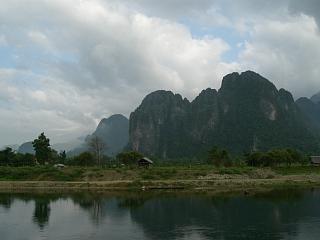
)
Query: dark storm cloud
[{"x": 308, "y": 7}]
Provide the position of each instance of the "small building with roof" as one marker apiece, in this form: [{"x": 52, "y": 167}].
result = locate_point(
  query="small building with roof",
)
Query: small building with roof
[
  {"x": 59, "y": 166},
  {"x": 145, "y": 162},
  {"x": 315, "y": 160}
]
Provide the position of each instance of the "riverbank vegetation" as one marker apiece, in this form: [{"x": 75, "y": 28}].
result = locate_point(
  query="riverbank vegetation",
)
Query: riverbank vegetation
[
  {"x": 216, "y": 157},
  {"x": 94, "y": 166},
  {"x": 156, "y": 173}
]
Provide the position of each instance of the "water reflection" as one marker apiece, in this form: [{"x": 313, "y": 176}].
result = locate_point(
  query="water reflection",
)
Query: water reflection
[
  {"x": 41, "y": 212},
  {"x": 5, "y": 201},
  {"x": 93, "y": 204},
  {"x": 132, "y": 202},
  {"x": 276, "y": 215}
]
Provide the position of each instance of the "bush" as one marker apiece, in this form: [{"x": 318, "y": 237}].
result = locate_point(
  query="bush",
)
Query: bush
[
  {"x": 129, "y": 158},
  {"x": 274, "y": 157},
  {"x": 10, "y": 158},
  {"x": 6, "y": 156},
  {"x": 23, "y": 160},
  {"x": 219, "y": 157},
  {"x": 84, "y": 159}
]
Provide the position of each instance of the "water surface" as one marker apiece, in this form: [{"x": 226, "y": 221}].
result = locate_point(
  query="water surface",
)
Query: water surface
[{"x": 276, "y": 215}]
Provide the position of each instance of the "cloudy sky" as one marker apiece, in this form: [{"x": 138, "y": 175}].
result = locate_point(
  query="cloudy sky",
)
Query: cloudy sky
[{"x": 65, "y": 64}]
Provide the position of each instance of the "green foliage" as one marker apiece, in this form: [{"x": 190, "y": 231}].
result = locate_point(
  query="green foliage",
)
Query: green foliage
[
  {"x": 219, "y": 157},
  {"x": 10, "y": 158},
  {"x": 54, "y": 157},
  {"x": 158, "y": 174},
  {"x": 173, "y": 173},
  {"x": 97, "y": 147},
  {"x": 62, "y": 157},
  {"x": 129, "y": 158},
  {"x": 297, "y": 170},
  {"x": 84, "y": 159},
  {"x": 275, "y": 157},
  {"x": 107, "y": 161},
  {"x": 6, "y": 156},
  {"x": 42, "y": 148},
  {"x": 23, "y": 160},
  {"x": 235, "y": 170},
  {"x": 39, "y": 173}
]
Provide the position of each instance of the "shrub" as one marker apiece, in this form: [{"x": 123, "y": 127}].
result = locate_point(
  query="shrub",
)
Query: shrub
[
  {"x": 129, "y": 158},
  {"x": 219, "y": 157},
  {"x": 84, "y": 159},
  {"x": 274, "y": 157}
]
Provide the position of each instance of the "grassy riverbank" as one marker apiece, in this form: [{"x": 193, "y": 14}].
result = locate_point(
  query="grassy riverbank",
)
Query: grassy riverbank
[
  {"x": 198, "y": 172},
  {"x": 202, "y": 177},
  {"x": 41, "y": 173}
]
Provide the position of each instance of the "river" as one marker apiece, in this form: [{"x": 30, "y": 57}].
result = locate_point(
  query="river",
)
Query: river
[{"x": 293, "y": 214}]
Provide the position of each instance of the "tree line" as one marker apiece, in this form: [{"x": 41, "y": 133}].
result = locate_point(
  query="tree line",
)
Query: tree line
[
  {"x": 45, "y": 155},
  {"x": 95, "y": 156},
  {"x": 271, "y": 158}
]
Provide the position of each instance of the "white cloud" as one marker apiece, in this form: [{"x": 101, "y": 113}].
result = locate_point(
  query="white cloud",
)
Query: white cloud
[
  {"x": 90, "y": 59},
  {"x": 74, "y": 62},
  {"x": 51, "y": 106},
  {"x": 40, "y": 39},
  {"x": 288, "y": 53},
  {"x": 3, "y": 41}
]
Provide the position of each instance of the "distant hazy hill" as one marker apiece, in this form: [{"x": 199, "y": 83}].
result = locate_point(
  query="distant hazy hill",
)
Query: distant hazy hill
[
  {"x": 26, "y": 147},
  {"x": 14, "y": 147},
  {"x": 67, "y": 146},
  {"x": 316, "y": 98},
  {"x": 247, "y": 113},
  {"x": 114, "y": 131}
]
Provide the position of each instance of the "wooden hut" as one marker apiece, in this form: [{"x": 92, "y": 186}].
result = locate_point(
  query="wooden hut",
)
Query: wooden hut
[
  {"x": 315, "y": 160},
  {"x": 59, "y": 166},
  {"x": 145, "y": 162}
]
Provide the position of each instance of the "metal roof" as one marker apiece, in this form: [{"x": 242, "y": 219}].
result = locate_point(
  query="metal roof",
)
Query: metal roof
[
  {"x": 147, "y": 160},
  {"x": 315, "y": 159}
]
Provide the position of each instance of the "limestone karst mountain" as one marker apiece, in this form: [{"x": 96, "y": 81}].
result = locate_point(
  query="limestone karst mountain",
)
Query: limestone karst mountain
[{"x": 247, "y": 113}]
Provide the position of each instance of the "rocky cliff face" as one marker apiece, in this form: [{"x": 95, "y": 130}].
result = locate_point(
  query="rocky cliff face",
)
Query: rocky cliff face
[
  {"x": 158, "y": 125},
  {"x": 311, "y": 112},
  {"x": 247, "y": 113},
  {"x": 256, "y": 116}
]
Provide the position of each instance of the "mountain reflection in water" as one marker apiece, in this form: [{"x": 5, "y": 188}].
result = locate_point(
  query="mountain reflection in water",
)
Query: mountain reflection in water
[{"x": 276, "y": 215}]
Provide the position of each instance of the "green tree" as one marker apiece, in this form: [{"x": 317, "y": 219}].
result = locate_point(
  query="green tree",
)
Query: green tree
[
  {"x": 62, "y": 156},
  {"x": 21, "y": 159},
  {"x": 6, "y": 156},
  {"x": 129, "y": 158},
  {"x": 295, "y": 156},
  {"x": 42, "y": 148},
  {"x": 28, "y": 160},
  {"x": 54, "y": 157},
  {"x": 97, "y": 146},
  {"x": 84, "y": 159},
  {"x": 253, "y": 159},
  {"x": 219, "y": 157},
  {"x": 41, "y": 212},
  {"x": 274, "y": 157}
]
